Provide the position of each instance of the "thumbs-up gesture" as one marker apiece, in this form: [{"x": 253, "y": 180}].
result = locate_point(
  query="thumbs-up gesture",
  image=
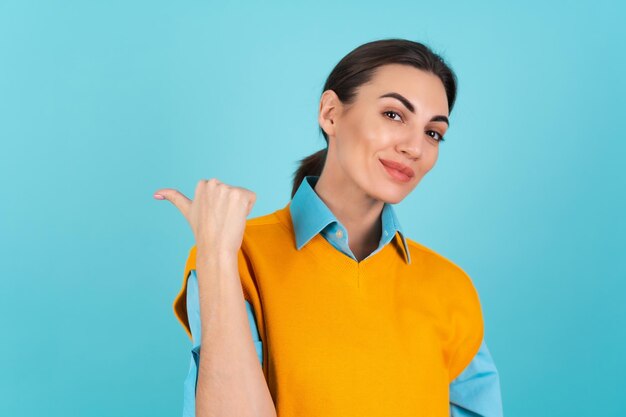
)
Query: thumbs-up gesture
[{"x": 217, "y": 214}]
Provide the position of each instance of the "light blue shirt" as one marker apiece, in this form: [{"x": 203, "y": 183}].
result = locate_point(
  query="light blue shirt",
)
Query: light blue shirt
[{"x": 474, "y": 393}]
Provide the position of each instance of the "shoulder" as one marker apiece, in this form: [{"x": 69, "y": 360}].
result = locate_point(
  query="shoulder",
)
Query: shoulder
[
  {"x": 454, "y": 280},
  {"x": 263, "y": 220},
  {"x": 256, "y": 227},
  {"x": 267, "y": 235}
]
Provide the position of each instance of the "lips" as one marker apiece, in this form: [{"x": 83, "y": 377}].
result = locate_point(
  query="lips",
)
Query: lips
[{"x": 398, "y": 166}]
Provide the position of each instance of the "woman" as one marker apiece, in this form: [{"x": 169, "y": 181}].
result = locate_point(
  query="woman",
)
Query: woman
[{"x": 345, "y": 314}]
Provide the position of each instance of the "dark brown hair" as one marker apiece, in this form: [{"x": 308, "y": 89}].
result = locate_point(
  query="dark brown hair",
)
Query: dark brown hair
[{"x": 358, "y": 68}]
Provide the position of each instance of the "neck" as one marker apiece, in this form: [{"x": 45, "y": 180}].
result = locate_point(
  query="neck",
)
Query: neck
[{"x": 358, "y": 212}]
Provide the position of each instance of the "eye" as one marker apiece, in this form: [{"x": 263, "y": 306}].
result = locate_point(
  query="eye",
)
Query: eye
[
  {"x": 393, "y": 112},
  {"x": 439, "y": 138}
]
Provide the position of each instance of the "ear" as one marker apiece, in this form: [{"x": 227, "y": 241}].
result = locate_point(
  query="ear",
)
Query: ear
[{"x": 330, "y": 107}]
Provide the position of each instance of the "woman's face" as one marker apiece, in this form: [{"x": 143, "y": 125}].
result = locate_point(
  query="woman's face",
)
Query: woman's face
[{"x": 375, "y": 131}]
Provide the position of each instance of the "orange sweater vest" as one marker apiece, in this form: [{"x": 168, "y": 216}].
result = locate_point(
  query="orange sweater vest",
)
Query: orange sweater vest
[{"x": 343, "y": 338}]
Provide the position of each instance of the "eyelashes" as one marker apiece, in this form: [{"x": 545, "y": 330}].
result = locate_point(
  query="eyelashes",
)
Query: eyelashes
[
  {"x": 440, "y": 137},
  {"x": 393, "y": 112}
]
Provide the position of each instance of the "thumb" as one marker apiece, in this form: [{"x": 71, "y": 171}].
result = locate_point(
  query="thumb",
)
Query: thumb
[{"x": 177, "y": 198}]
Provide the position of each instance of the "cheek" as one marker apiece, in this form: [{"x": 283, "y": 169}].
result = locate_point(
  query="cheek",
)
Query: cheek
[
  {"x": 374, "y": 131},
  {"x": 362, "y": 142},
  {"x": 431, "y": 159},
  {"x": 435, "y": 154}
]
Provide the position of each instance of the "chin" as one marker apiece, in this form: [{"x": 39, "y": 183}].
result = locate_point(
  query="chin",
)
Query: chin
[
  {"x": 395, "y": 200},
  {"x": 383, "y": 189},
  {"x": 391, "y": 196},
  {"x": 394, "y": 193}
]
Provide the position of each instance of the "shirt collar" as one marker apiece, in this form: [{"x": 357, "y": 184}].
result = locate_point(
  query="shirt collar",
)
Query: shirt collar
[{"x": 310, "y": 216}]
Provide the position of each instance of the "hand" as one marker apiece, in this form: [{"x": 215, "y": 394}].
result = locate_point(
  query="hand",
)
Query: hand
[{"x": 217, "y": 215}]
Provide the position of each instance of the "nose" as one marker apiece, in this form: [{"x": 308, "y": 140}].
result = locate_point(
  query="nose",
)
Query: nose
[{"x": 412, "y": 145}]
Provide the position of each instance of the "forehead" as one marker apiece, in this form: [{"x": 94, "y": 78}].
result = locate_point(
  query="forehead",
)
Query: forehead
[{"x": 424, "y": 89}]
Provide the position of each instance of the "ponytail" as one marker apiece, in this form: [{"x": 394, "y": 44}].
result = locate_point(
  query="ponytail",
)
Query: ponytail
[{"x": 311, "y": 165}]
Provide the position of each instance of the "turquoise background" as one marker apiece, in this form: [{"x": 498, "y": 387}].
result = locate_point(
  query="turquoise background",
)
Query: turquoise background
[{"x": 102, "y": 103}]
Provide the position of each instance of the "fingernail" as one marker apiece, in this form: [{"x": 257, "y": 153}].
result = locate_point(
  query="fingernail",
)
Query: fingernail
[{"x": 159, "y": 197}]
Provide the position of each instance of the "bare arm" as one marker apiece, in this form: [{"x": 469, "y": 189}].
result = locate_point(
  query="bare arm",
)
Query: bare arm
[{"x": 230, "y": 377}]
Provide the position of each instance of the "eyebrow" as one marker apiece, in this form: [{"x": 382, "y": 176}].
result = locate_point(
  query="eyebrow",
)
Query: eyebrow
[{"x": 408, "y": 105}]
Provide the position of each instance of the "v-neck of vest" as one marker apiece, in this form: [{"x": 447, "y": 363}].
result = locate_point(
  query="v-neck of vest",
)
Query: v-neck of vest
[{"x": 322, "y": 248}]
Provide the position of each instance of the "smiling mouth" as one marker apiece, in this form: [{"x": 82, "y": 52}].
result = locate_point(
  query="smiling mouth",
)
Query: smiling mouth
[{"x": 396, "y": 174}]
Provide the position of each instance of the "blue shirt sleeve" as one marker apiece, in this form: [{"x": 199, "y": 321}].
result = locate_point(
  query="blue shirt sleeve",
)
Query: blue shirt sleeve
[
  {"x": 476, "y": 391},
  {"x": 193, "y": 315}
]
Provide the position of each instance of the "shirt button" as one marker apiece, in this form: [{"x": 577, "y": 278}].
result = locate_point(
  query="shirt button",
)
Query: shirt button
[
  {"x": 385, "y": 233},
  {"x": 339, "y": 234}
]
